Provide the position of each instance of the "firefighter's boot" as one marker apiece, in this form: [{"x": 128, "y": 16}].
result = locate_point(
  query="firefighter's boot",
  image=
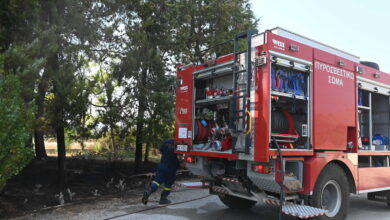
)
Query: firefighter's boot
[
  {"x": 145, "y": 196},
  {"x": 164, "y": 195},
  {"x": 164, "y": 200}
]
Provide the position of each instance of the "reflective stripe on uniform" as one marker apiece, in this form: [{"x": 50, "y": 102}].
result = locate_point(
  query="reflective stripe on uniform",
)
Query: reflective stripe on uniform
[
  {"x": 154, "y": 182},
  {"x": 167, "y": 189}
]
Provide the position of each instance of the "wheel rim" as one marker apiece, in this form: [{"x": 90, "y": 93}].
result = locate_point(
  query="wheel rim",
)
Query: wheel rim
[{"x": 331, "y": 198}]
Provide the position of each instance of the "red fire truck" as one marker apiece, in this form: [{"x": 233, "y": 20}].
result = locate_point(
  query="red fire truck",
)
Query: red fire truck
[{"x": 288, "y": 121}]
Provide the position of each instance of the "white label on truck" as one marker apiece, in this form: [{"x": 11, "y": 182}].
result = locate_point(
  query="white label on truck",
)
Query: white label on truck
[
  {"x": 181, "y": 147},
  {"x": 184, "y": 89},
  {"x": 278, "y": 44},
  {"x": 183, "y": 111},
  {"x": 336, "y": 75},
  {"x": 304, "y": 130},
  {"x": 189, "y": 134},
  {"x": 182, "y": 132}
]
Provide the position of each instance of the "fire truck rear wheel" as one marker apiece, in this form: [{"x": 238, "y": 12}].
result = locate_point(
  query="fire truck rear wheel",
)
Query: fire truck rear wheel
[
  {"x": 236, "y": 202},
  {"x": 331, "y": 192}
]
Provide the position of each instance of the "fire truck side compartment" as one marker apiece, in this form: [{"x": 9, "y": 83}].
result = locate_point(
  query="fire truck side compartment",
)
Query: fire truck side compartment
[{"x": 334, "y": 95}]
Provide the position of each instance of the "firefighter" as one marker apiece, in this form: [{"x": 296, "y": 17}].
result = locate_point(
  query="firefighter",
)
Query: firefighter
[{"x": 166, "y": 173}]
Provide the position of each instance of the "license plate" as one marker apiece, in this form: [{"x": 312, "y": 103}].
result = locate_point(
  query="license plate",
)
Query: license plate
[{"x": 181, "y": 147}]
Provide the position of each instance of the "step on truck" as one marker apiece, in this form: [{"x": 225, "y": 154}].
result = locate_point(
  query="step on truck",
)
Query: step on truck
[{"x": 288, "y": 121}]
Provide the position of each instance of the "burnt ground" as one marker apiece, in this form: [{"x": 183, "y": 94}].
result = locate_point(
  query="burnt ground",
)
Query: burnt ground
[{"x": 35, "y": 188}]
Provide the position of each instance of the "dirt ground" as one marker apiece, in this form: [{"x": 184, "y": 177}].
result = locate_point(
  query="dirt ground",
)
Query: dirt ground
[
  {"x": 194, "y": 204},
  {"x": 36, "y": 189},
  {"x": 96, "y": 197},
  {"x": 107, "y": 207}
]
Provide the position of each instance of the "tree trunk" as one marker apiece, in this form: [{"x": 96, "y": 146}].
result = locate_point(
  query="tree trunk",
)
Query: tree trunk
[
  {"x": 39, "y": 140},
  {"x": 138, "y": 140},
  {"x": 59, "y": 101},
  {"x": 61, "y": 154},
  {"x": 140, "y": 121},
  {"x": 39, "y": 143},
  {"x": 60, "y": 131},
  {"x": 147, "y": 148},
  {"x": 112, "y": 135},
  {"x": 82, "y": 144}
]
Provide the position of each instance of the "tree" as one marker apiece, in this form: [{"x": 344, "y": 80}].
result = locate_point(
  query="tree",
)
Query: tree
[
  {"x": 177, "y": 31},
  {"x": 207, "y": 23},
  {"x": 50, "y": 45},
  {"x": 159, "y": 124},
  {"x": 72, "y": 30},
  {"x": 79, "y": 108},
  {"x": 21, "y": 51},
  {"x": 19, "y": 65},
  {"x": 142, "y": 60},
  {"x": 15, "y": 125},
  {"x": 112, "y": 115}
]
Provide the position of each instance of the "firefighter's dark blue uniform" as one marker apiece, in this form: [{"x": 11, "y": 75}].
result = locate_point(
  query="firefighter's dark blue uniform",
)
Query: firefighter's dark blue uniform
[{"x": 166, "y": 171}]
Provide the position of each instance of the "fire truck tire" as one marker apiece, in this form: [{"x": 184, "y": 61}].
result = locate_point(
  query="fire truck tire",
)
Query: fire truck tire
[
  {"x": 236, "y": 202},
  {"x": 331, "y": 192}
]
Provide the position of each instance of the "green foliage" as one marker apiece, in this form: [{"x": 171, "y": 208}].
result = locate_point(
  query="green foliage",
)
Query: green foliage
[
  {"x": 206, "y": 23},
  {"x": 105, "y": 68},
  {"x": 15, "y": 129},
  {"x": 100, "y": 147},
  {"x": 134, "y": 90}
]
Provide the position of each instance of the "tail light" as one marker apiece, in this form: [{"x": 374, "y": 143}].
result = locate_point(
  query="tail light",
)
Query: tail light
[
  {"x": 260, "y": 168},
  {"x": 190, "y": 159}
]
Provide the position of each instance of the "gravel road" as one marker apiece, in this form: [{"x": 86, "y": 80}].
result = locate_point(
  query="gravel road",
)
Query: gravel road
[{"x": 212, "y": 208}]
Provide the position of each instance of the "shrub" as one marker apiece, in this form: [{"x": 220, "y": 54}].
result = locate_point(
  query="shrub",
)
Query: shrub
[
  {"x": 102, "y": 145},
  {"x": 15, "y": 128}
]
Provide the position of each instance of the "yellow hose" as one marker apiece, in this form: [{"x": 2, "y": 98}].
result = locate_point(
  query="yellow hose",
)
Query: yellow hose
[{"x": 248, "y": 131}]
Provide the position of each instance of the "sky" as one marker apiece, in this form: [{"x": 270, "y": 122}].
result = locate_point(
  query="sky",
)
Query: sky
[{"x": 360, "y": 27}]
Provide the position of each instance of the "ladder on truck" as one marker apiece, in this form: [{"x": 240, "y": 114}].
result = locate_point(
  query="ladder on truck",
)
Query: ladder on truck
[{"x": 240, "y": 102}]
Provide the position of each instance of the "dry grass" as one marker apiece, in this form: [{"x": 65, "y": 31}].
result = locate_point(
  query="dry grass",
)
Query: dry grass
[
  {"x": 53, "y": 145},
  {"x": 90, "y": 146},
  {"x": 73, "y": 149}
]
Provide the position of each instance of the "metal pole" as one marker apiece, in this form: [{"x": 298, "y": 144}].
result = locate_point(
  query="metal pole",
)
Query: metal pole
[
  {"x": 281, "y": 184},
  {"x": 370, "y": 120}
]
